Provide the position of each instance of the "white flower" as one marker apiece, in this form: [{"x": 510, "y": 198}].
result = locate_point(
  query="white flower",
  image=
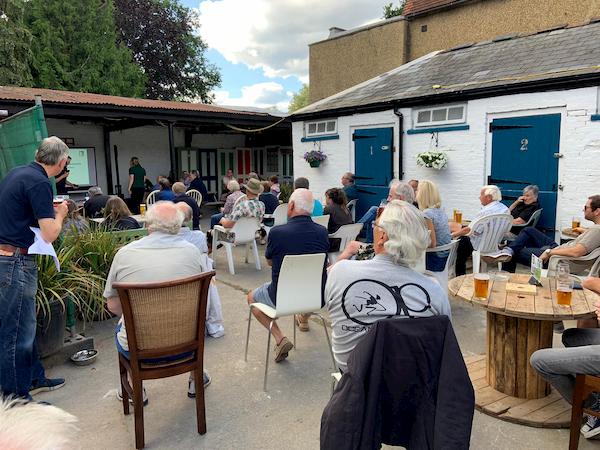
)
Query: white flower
[
  {"x": 433, "y": 159},
  {"x": 4, "y": 17}
]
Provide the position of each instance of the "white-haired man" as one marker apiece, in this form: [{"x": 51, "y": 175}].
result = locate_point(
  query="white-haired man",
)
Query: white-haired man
[
  {"x": 358, "y": 293},
  {"x": 490, "y": 198},
  {"x": 161, "y": 256},
  {"x": 300, "y": 236},
  {"x": 25, "y": 201},
  {"x": 96, "y": 202},
  {"x": 399, "y": 190}
]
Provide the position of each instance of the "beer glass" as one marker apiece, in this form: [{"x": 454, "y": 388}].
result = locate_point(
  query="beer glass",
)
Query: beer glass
[{"x": 481, "y": 282}]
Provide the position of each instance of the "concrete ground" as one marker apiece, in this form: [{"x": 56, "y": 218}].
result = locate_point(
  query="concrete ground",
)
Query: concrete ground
[{"x": 239, "y": 414}]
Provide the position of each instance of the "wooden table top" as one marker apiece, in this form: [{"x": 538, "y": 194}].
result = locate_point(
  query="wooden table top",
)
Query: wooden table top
[{"x": 541, "y": 306}]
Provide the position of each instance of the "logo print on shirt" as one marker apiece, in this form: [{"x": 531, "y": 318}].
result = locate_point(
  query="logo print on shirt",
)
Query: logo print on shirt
[{"x": 366, "y": 301}]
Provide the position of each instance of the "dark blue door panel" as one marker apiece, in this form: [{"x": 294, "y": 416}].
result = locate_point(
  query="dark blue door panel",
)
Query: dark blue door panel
[
  {"x": 523, "y": 153},
  {"x": 373, "y": 159}
]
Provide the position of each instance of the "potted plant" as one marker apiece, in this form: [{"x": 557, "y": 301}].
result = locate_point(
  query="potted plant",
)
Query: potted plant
[
  {"x": 286, "y": 191},
  {"x": 315, "y": 157},
  {"x": 433, "y": 159}
]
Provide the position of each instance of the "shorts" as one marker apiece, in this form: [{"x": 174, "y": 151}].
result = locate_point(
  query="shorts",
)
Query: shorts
[{"x": 261, "y": 295}]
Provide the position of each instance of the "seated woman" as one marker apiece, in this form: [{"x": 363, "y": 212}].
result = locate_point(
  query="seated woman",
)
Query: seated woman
[
  {"x": 523, "y": 208},
  {"x": 358, "y": 293},
  {"x": 74, "y": 223},
  {"x": 234, "y": 188},
  {"x": 165, "y": 194},
  {"x": 428, "y": 199},
  {"x": 336, "y": 208},
  {"x": 268, "y": 198},
  {"x": 117, "y": 216}
]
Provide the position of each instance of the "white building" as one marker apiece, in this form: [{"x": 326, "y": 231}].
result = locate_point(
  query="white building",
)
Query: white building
[{"x": 512, "y": 111}]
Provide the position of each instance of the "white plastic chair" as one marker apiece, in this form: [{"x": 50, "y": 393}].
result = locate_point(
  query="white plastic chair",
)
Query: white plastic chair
[
  {"x": 532, "y": 222},
  {"x": 346, "y": 233},
  {"x": 321, "y": 220},
  {"x": 489, "y": 231},
  {"x": 593, "y": 257},
  {"x": 196, "y": 195},
  {"x": 151, "y": 199},
  {"x": 449, "y": 269},
  {"x": 245, "y": 234},
  {"x": 279, "y": 216},
  {"x": 299, "y": 291},
  {"x": 352, "y": 208}
]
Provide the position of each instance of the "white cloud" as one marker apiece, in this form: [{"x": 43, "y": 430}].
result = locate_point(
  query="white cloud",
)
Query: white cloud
[
  {"x": 274, "y": 35},
  {"x": 262, "y": 95}
]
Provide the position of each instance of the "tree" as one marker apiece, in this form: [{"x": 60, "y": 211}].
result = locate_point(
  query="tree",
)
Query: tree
[
  {"x": 390, "y": 10},
  {"x": 15, "y": 42},
  {"x": 300, "y": 99},
  {"x": 75, "y": 48},
  {"x": 162, "y": 37}
]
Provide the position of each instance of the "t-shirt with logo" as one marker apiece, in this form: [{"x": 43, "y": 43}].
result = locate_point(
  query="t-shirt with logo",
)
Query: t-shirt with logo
[{"x": 359, "y": 293}]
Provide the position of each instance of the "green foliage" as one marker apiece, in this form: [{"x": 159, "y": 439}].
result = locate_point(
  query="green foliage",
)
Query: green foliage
[
  {"x": 15, "y": 43},
  {"x": 286, "y": 191},
  {"x": 300, "y": 99},
  {"x": 74, "y": 48},
  {"x": 163, "y": 38},
  {"x": 390, "y": 10}
]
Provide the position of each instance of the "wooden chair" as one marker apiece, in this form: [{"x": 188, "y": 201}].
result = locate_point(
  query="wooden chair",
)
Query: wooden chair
[
  {"x": 584, "y": 386},
  {"x": 151, "y": 199},
  {"x": 164, "y": 320},
  {"x": 196, "y": 195}
]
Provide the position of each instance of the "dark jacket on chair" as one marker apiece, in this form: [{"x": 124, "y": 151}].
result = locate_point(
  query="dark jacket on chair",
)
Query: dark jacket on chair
[{"x": 407, "y": 385}]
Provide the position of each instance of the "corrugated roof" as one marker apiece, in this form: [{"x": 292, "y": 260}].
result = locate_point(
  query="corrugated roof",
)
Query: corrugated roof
[
  {"x": 84, "y": 98},
  {"x": 563, "y": 53},
  {"x": 414, "y": 7}
]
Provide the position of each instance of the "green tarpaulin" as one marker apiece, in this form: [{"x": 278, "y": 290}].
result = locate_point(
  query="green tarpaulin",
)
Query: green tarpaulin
[{"x": 20, "y": 136}]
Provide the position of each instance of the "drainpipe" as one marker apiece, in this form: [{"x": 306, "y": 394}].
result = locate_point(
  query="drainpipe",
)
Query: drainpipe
[{"x": 400, "y": 138}]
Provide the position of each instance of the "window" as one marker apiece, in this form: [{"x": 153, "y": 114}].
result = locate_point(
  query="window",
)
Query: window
[
  {"x": 445, "y": 115},
  {"x": 321, "y": 128}
]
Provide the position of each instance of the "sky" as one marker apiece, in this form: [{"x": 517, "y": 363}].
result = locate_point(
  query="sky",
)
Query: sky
[{"x": 261, "y": 46}]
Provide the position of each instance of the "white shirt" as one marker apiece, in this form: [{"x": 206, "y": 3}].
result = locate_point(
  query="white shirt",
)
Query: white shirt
[{"x": 494, "y": 207}]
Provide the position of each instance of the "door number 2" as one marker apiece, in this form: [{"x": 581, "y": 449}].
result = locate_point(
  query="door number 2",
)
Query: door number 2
[{"x": 524, "y": 144}]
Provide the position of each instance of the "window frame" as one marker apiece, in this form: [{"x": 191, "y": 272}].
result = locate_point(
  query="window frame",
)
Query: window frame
[
  {"x": 316, "y": 123},
  {"x": 435, "y": 123}
]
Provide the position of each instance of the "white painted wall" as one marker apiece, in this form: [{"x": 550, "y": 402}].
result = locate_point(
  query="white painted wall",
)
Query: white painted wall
[{"x": 470, "y": 150}]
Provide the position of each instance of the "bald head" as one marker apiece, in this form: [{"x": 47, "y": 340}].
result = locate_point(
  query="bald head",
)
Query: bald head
[
  {"x": 301, "y": 203},
  {"x": 164, "y": 217},
  {"x": 185, "y": 209}
]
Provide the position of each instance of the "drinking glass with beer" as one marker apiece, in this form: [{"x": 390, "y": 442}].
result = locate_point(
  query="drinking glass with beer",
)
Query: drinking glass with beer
[
  {"x": 481, "y": 282},
  {"x": 143, "y": 209},
  {"x": 564, "y": 284},
  {"x": 575, "y": 222},
  {"x": 458, "y": 216}
]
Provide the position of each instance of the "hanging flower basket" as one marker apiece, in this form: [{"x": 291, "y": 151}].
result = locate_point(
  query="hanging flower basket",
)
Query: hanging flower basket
[
  {"x": 315, "y": 157},
  {"x": 433, "y": 160}
]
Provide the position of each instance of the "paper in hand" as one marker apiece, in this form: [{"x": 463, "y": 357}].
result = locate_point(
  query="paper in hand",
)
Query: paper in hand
[{"x": 41, "y": 247}]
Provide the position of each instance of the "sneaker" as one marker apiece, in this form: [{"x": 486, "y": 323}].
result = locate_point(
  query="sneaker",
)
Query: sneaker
[
  {"x": 591, "y": 428},
  {"x": 192, "y": 386},
  {"x": 282, "y": 349},
  {"x": 47, "y": 384},
  {"x": 503, "y": 255},
  {"x": 144, "y": 396}
]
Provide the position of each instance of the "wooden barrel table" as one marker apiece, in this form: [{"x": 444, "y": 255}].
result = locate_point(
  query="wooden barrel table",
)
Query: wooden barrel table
[{"x": 518, "y": 324}]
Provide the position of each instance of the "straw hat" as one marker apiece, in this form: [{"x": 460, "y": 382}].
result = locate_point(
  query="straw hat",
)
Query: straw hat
[{"x": 254, "y": 186}]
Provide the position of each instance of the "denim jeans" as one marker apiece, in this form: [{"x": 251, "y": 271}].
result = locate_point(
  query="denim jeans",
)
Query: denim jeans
[
  {"x": 214, "y": 219},
  {"x": 530, "y": 241},
  {"x": 18, "y": 286},
  {"x": 368, "y": 218},
  {"x": 559, "y": 366}
]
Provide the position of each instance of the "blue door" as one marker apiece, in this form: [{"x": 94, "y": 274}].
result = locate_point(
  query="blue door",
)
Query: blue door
[
  {"x": 373, "y": 162},
  {"x": 525, "y": 151}
]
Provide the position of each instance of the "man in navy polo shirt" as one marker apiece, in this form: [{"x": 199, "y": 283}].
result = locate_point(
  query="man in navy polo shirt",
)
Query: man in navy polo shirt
[
  {"x": 300, "y": 236},
  {"x": 26, "y": 200}
]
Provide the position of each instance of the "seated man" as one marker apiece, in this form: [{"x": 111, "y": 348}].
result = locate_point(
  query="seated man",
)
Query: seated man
[
  {"x": 358, "y": 293},
  {"x": 523, "y": 208},
  {"x": 166, "y": 193},
  {"x": 299, "y": 236},
  {"x": 197, "y": 184},
  {"x": 160, "y": 256},
  {"x": 559, "y": 366},
  {"x": 532, "y": 241},
  {"x": 268, "y": 198},
  {"x": 95, "y": 204},
  {"x": 250, "y": 207},
  {"x": 349, "y": 187},
  {"x": 399, "y": 190},
  {"x": 490, "y": 198},
  {"x": 181, "y": 196},
  {"x": 302, "y": 183}
]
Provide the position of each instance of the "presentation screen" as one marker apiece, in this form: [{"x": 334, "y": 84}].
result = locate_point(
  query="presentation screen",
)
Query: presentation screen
[{"x": 82, "y": 170}]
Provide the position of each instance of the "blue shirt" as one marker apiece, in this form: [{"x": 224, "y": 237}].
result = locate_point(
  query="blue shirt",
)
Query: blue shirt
[
  {"x": 351, "y": 192},
  {"x": 299, "y": 236},
  {"x": 317, "y": 208},
  {"x": 25, "y": 197},
  {"x": 165, "y": 194}
]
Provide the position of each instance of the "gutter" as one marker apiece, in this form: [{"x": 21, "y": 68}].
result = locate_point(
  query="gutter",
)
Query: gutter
[
  {"x": 400, "y": 142},
  {"x": 577, "y": 81}
]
